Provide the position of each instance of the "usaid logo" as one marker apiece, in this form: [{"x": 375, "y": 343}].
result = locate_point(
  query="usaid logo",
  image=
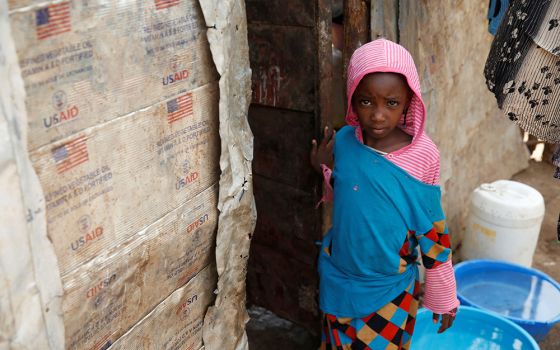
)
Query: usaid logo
[
  {"x": 64, "y": 112},
  {"x": 197, "y": 223},
  {"x": 88, "y": 233},
  {"x": 183, "y": 310},
  {"x": 177, "y": 72}
]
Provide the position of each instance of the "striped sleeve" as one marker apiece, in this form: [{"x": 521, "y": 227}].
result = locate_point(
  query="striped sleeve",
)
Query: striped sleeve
[
  {"x": 431, "y": 175},
  {"x": 440, "y": 289}
]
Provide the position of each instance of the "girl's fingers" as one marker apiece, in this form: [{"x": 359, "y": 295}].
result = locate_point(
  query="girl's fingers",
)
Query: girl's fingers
[
  {"x": 442, "y": 325},
  {"x": 451, "y": 320},
  {"x": 331, "y": 141},
  {"x": 325, "y": 139},
  {"x": 446, "y": 322},
  {"x": 313, "y": 148},
  {"x": 331, "y": 134},
  {"x": 435, "y": 318},
  {"x": 328, "y": 134}
]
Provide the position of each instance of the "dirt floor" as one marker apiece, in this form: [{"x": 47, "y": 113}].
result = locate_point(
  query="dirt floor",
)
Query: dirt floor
[
  {"x": 547, "y": 254},
  {"x": 267, "y": 331}
]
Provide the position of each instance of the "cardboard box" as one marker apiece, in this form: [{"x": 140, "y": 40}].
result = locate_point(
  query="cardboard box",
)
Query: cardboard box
[
  {"x": 108, "y": 182},
  {"x": 108, "y": 295},
  {"x": 88, "y": 62},
  {"x": 176, "y": 323},
  {"x": 122, "y": 104}
]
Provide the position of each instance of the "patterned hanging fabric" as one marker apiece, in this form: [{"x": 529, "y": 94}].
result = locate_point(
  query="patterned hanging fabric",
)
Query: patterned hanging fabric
[{"x": 523, "y": 67}]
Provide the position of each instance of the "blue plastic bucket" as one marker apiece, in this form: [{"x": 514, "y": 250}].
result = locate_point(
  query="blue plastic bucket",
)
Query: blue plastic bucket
[
  {"x": 523, "y": 295},
  {"x": 472, "y": 329}
]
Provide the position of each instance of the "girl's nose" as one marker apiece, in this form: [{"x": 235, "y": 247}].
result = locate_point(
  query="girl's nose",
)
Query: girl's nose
[{"x": 376, "y": 115}]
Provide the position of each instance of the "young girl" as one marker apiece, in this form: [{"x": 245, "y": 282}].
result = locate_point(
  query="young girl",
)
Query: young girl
[{"x": 386, "y": 203}]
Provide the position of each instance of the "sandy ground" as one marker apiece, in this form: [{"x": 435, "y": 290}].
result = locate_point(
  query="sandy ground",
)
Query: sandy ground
[
  {"x": 266, "y": 331},
  {"x": 547, "y": 254}
]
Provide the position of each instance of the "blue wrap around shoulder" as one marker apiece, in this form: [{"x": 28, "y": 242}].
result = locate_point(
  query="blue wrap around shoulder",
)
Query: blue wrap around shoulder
[{"x": 376, "y": 203}]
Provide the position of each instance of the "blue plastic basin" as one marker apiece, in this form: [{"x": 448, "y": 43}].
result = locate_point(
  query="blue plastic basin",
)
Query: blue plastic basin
[
  {"x": 473, "y": 329},
  {"x": 523, "y": 295}
]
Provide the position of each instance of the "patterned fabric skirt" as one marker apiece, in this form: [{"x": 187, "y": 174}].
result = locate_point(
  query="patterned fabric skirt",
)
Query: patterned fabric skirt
[{"x": 390, "y": 327}]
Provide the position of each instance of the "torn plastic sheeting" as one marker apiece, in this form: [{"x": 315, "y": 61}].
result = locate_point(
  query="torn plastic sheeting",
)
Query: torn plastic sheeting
[
  {"x": 30, "y": 288},
  {"x": 224, "y": 326}
]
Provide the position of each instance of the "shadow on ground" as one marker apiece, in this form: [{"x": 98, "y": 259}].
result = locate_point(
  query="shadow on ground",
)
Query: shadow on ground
[
  {"x": 547, "y": 254},
  {"x": 266, "y": 331}
]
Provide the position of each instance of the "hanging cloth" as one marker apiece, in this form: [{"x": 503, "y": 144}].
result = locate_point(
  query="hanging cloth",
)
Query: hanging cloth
[{"x": 523, "y": 67}]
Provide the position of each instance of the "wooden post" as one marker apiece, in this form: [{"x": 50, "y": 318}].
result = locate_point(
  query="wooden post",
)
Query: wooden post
[
  {"x": 356, "y": 27},
  {"x": 384, "y": 19},
  {"x": 324, "y": 48}
]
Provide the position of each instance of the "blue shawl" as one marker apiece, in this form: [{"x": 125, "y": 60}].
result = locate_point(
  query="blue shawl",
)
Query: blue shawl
[{"x": 376, "y": 203}]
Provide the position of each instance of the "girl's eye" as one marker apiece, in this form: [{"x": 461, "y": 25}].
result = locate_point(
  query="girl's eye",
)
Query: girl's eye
[
  {"x": 392, "y": 103},
  {"x": 365, "y": 102}
]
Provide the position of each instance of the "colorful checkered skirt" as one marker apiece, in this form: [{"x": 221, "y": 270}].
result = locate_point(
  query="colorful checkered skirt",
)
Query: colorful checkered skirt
[{"x": 390, "y": 327}]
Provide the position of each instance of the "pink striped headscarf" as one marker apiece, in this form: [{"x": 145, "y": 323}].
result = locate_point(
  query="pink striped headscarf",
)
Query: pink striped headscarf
[{"x": 421, "y": 158}]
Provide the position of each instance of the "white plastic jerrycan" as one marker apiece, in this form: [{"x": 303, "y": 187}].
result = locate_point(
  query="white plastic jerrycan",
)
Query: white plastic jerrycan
[{"x": 504, "y": 222}]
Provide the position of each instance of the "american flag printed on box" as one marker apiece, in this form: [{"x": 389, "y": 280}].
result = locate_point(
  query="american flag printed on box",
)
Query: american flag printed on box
[
  {"x": 163, "y": 4},
  {"x": 70, "y": 154},
  {"x": 53, "y": 20},
  {"x": 179, "y": 108}
]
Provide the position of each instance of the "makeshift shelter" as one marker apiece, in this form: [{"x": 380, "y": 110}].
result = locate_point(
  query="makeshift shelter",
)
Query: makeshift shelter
[{"x": 127, "y": 159}]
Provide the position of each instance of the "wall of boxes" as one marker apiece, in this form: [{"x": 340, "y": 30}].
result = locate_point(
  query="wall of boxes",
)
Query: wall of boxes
[{"x": 122, "y": 108}]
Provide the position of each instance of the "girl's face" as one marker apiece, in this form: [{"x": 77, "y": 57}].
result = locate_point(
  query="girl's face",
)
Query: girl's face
[{"x": 380, "y": 101}]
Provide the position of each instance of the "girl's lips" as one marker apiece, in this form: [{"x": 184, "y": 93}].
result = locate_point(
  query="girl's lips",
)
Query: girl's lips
[{"x": 378, "y": 130}]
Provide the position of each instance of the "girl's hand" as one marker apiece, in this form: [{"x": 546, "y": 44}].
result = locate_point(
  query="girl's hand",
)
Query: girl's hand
[
  {"x": 323, "y": 154},
  {"x": 446, "y": 320}
]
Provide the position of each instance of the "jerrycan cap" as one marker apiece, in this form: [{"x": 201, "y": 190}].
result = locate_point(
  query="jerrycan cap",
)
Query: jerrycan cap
[{"x": 488, "y": 187}]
